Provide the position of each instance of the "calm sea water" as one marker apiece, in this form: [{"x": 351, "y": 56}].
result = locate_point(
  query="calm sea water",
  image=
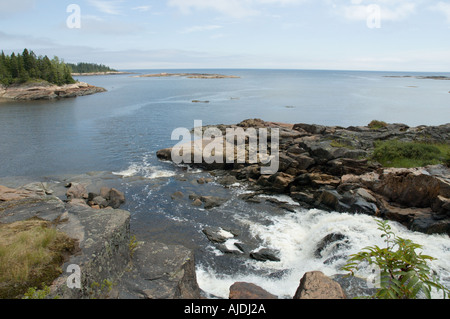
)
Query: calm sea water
[{"x": 119, "y": 132}]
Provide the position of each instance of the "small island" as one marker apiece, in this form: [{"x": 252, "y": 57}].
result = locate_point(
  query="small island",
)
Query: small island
[
  {"x": 420, "y": 77},
  {"x": 189, "y": 75},
  {"x": 26, "y": 76}
]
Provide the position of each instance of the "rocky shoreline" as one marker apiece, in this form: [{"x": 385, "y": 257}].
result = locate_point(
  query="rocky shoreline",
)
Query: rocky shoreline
[
  {"x": 47, "y": 91},
  {"x": 330, "y": 168},
  {"x": 113, "y": 263}
]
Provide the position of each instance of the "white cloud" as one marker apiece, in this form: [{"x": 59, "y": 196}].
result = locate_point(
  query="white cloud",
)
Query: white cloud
[
  {"x": 233, "y": 8},
  {"x": 201, "y": 28},
  {"x": 142, "y": 8},
  {"x": 390, "y": 10},
  {"x": 109, "y": 7},
  {"x": 444, "y": 8}
]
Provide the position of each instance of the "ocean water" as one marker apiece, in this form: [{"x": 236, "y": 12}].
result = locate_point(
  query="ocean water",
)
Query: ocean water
[{"x": 117, "y": 134}]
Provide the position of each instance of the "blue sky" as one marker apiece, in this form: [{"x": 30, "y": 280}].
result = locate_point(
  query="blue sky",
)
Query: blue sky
[{"x": 393, "y": 35}]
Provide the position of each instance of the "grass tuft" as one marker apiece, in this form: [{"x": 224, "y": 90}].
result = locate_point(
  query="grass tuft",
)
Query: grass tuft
[
  {"x": 31, "y": 254},
  {"x": 394, "y": 153}
]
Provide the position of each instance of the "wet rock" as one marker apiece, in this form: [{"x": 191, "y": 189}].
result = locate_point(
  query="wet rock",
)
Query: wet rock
[
  {"x": 165, "y": 154},
  {"x": 197, "y": 202},
  {"x": 264, "y": 255},
  {"x": 177, "y": 195},
  {"x": 331, "y": 199},
  {"x": 217, "y": 234},
  {"x": 315, "y": 285},
  {"x": 354, "y": 287},
  {"x": 212, "y": 201},
  {"x": 336, "y": 240},
  {"x": 232, "y": 250},
  {"x": 303, "y": 197},
  {"x": 227, "y": 180},
  {"x": 245, "y": 290},
  {"x": 116, "y": 198}
]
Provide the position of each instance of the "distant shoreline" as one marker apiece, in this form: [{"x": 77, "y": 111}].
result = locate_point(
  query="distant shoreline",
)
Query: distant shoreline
[{"x": 189, "y": 75}]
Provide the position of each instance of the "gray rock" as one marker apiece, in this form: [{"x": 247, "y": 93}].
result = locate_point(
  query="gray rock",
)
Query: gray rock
[
  {"x": 264, "y": 255},
  {"x": 335, "y": 240},
  {"x": 160, "y": 271},
  {"x": 310, "y": 128},
  {"x": 215, "y": 234},
  {"x": 77, "y": 191}
]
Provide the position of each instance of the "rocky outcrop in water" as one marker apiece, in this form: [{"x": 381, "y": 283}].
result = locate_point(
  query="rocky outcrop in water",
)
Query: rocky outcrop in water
[
  {"x": 47, "y": 91},
  {"x": 329, "y": 167}
]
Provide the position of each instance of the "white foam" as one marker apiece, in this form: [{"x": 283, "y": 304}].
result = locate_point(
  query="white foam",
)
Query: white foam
[
  {"x": 226, "y": 234},
  {"x": 296, "y": 236},
  {"x": 145, "y": 170}
]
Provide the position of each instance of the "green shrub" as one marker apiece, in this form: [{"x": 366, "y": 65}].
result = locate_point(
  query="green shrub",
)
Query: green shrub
[
  {"x": 394, "y": 153},
  {"x": 375, "y": 124},
  {"x": 404, "y": 272}
]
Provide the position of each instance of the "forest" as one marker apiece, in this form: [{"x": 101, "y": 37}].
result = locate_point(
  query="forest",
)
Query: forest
[
  {"x": 84, "y": 67},
  {"x": 21, "y": 68}
]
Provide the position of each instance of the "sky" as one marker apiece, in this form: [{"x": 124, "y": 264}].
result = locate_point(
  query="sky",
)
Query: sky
[{"x": 382, "y": 35}]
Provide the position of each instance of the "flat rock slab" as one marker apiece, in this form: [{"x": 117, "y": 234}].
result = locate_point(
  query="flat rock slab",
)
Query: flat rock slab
[{"x": 160, "y": 271}]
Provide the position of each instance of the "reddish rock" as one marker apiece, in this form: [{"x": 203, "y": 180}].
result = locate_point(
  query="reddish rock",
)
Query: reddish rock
[
  {"x": 9, "y": 194},
  {"x": 245, "y": 290},
  {"x": 315, "y": 285}
]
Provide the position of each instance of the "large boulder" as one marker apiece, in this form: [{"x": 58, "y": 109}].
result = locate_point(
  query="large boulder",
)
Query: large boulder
[
  {"x": 414, "y": 187},
  {"x": 315, "y": 285}
]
